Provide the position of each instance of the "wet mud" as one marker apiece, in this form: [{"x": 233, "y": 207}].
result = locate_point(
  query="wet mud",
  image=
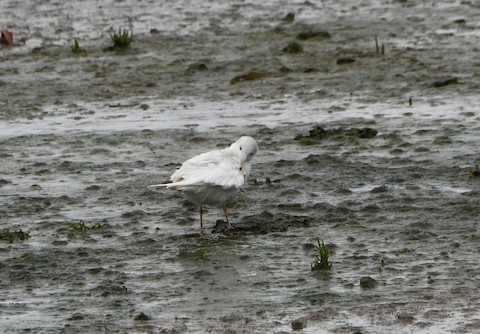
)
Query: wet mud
[{"x": 367, "y": 123}]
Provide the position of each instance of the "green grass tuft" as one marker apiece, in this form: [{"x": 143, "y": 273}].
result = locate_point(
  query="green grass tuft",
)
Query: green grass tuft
[
  {"x": 321, "y": 259},
  {"x": 121, "y": 40}
]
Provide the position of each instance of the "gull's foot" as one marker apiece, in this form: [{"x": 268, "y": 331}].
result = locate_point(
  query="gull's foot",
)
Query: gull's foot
[{"x": 222, "y": 226}]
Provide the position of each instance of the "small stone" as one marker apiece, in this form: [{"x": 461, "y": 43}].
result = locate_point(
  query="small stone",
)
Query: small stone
[
  {"x": 141, "y": 317},
  {"x": 367, "y": 282},
  {"x": 293, "y": 47},
  {"x": 76, "y": 316}
]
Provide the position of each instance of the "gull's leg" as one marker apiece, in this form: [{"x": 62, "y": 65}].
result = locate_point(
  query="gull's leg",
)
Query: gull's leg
[
  {"x": 225, "y": 211},
  {"x": 201, "y": 219}
]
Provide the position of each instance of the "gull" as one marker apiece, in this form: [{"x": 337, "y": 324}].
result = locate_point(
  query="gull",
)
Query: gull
[{"x": 212, "y": 177}]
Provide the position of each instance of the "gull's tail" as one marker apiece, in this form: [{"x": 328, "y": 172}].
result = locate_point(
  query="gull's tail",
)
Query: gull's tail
[
  {"x": 181, "y": 184},
  {"x": 172, "y": 185},
  {"x": 158, "y": 185}
]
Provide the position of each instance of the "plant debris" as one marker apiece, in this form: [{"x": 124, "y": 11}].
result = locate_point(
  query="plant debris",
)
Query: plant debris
[
  {"x": 474, "y": 171},
  {"x": 6, "y": 38},
  {"x": 81, "y": 226}
]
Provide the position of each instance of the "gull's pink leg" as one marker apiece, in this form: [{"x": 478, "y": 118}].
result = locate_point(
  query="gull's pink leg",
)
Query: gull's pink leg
[
  {"x": 201, "y": 219},
  {"x": 225, "y": 210}
]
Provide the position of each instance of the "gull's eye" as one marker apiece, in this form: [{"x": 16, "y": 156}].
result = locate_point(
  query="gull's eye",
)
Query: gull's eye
[{"x": 240, "y": 148}]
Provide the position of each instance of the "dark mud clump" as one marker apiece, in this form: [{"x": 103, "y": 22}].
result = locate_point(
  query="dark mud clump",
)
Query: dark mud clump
[
  {"x": 446, "y": 82},
  {"x": 318, "y": 133},
  {"x": 367, "y": 283},
  {"x": 264, "y": 223},
  {"x": 141, "y": 317},
  {"x": 289, "y": 18},
  {"x": 298, "y": 325},
  {"x": 313, "y": 34},
  {"x": 345, "y": 60}
]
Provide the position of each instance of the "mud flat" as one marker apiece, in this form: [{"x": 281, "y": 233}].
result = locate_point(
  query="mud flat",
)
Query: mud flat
[{"x": 366, "y": 115}]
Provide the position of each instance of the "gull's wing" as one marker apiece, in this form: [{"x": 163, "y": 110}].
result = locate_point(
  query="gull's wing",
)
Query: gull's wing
[{"x": 220, "y": 168}]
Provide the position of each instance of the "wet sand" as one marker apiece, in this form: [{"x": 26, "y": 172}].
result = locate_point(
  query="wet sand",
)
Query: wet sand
[{"x": 343, "y": 155}]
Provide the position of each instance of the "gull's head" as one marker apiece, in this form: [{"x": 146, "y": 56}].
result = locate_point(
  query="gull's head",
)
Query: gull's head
[{"x": 247, "y": 146}]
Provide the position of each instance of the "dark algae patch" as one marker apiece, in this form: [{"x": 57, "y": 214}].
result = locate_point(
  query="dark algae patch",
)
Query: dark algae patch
[
  {"x": 319, "y": 133},
  {"x": 13, "y": 236}
]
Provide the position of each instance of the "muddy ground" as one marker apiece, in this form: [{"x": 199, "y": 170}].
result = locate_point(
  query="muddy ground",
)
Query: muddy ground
[{"x": 371, "y": 149}]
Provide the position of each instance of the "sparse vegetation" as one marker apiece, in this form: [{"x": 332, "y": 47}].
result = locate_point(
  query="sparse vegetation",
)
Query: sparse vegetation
[
  {"x": 380, "y": 49},
  {"x": 76, "y": 47},
  {"x": 321, "y": 259}
]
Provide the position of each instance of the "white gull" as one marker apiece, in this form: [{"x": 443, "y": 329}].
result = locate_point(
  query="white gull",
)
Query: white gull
[{"x": 212, "y": 177}]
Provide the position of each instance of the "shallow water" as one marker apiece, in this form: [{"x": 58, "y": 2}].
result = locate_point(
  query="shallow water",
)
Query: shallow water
[{"x": 81, "y": 137}]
